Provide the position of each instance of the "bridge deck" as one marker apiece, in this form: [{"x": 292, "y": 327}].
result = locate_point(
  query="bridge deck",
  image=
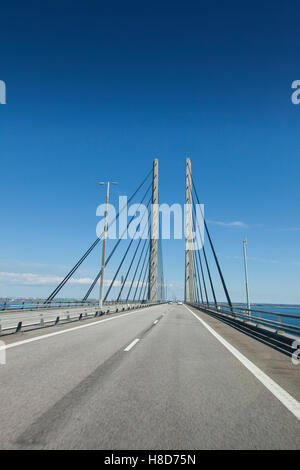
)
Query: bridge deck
[{"x": 178, "y": 387}]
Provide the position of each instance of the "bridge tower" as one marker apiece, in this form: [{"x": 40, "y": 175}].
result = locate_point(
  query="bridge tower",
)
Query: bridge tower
[
  {"x": 188, "y": 230},
  {"x": 152, "y": 293}
]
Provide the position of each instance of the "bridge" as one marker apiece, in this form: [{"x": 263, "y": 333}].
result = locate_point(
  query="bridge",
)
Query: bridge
[{"x": 133, "y": 370}]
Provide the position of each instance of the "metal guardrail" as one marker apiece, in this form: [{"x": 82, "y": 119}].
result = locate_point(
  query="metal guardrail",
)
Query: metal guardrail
[
  {"x": 41, "y": 320},
  {"x": 43, "y": 304},
  {"x": 284, "y": 322}
]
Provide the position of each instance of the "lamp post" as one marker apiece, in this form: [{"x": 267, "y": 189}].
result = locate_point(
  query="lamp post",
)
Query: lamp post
[
  {"x": 104, "y": 241},
  {"x": 246, "y": 274}
]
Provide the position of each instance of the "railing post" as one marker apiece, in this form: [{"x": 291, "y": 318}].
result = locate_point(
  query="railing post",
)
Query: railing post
[
  {"x": 258, "y": 317},
  {"x": 279, "y": 321}
]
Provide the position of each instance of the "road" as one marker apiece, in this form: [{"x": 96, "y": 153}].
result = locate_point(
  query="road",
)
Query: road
[{"x": 151, "y": 379}]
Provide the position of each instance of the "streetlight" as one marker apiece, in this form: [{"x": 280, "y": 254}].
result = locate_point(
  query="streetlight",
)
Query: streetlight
[
  {"x": 104, "y": 241},
  {"x": 246, "y": 274}
]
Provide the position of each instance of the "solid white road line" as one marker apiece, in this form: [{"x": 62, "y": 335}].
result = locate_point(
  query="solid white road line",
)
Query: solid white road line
[
  {"x": 70, "y": 330},
  {"x": 286, "y": 399},
  {"x": 133, "y": 343}
]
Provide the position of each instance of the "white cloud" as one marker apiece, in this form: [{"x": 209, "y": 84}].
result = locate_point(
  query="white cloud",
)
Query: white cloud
[
  {"x": 29, "y": 279},
  {"x": 289, "y": 229},
  {"x": 253, "y": 258},
  {"x": 37, "y": 279},
  {"x": 236, "y": 223}
]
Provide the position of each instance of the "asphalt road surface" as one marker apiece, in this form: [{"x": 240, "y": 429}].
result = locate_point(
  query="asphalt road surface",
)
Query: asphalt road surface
[{"x": 151, "y": 379}]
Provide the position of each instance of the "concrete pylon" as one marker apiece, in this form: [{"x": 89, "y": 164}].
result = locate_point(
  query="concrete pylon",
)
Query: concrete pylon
[
  {"x": 188, "y": 230},
  {"x": 152, "y": 295}
]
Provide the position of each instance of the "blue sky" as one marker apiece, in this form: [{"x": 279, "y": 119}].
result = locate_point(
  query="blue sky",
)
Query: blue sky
[{"x": 96, "y": 90}]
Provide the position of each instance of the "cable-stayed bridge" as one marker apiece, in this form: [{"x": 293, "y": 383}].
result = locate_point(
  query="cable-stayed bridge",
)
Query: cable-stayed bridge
[{"x": 131, "y": 370}]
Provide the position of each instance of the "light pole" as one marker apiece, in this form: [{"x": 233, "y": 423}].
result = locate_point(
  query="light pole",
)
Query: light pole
[
  {"x": 246, "y": 274},
  {"x": 104, "y": 242}
]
